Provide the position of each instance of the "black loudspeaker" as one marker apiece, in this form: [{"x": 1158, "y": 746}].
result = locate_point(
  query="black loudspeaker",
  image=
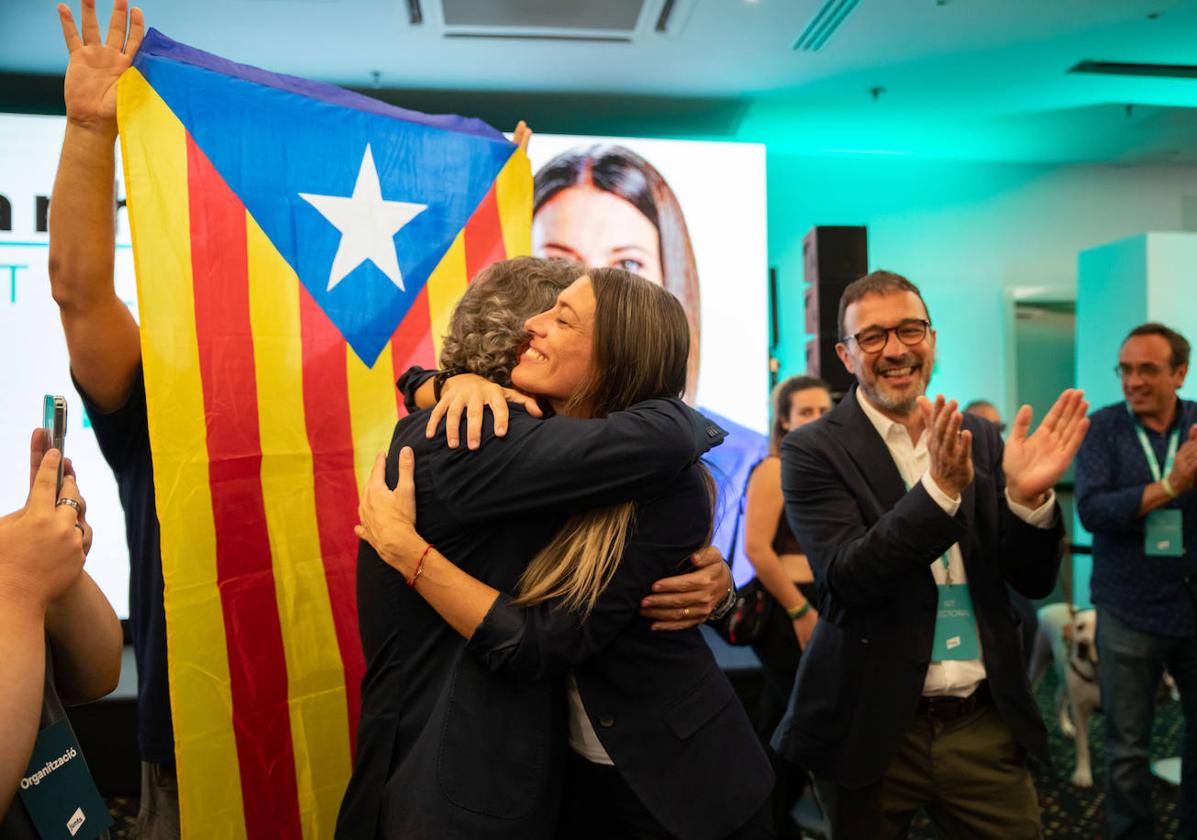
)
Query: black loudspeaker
[{"x": 832, "y": 257}]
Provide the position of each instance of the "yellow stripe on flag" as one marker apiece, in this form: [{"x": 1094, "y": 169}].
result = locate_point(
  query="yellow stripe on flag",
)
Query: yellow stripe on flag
[
  {"x": 513, "y": 193},
  {"x": 315, "y": 675},
  {"x": 445, "y": 287},
  {"x": 154, "y": 150},
  {"x": 373, "y": 409}
]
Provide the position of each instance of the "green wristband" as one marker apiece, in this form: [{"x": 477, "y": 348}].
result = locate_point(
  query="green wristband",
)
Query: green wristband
[{"x": 796, "y": 613}]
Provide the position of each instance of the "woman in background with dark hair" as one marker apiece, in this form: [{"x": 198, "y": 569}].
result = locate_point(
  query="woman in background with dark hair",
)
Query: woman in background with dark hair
[
  {"x": 783, "y": 570},
  {"x": 605, "y": 205}
]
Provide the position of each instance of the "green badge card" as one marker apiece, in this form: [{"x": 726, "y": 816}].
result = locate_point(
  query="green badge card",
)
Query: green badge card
[
  {"x": 955, "y": 628},
  {"x": 1164, "y": 534},
  {"x": 57, "y": 789}
]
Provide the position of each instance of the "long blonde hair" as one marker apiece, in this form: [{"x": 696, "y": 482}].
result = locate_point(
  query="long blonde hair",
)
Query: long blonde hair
[{"x": 641, "y": 345}]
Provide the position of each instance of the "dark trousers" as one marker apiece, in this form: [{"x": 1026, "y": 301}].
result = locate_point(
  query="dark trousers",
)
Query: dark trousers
[
  {"x": 779, "y": 653},
  {"x": 1132, "y": 664},
  {"x": 599, "y": 805},
  {"x": 969, "y": 775}
]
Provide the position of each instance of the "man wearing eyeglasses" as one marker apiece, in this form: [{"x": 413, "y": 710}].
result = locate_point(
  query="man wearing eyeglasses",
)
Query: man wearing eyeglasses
[
  {"x": 1134, "y": 492},
  {"x": 911, "y": 692}
]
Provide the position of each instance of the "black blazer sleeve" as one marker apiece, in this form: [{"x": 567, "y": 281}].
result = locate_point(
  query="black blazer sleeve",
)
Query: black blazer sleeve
[
  {"x": 862, "y": 565},
  {"x": 410, "y": 382},
  {"x": 564, "y": 464},
  {"x": 547, "y": 639},
  {"x": 544, "y": 639}
]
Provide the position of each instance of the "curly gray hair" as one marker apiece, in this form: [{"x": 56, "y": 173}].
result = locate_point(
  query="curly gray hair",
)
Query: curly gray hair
[{"x": 486, "y": 332}]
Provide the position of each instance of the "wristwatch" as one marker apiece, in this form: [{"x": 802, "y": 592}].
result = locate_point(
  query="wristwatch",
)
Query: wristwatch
[
  {"x": 728, "y": 604},
  {"x": 442, "y": 376}
]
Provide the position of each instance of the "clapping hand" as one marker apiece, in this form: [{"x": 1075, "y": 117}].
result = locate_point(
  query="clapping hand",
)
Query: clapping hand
[
  {"x": 1034, "y": 463},
  {"x": 1184, "y": 469},
  {"x": 950, "y": 449}
]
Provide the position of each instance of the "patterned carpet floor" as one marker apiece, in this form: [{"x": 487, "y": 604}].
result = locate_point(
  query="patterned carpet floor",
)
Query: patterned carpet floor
[{"x": 1070, "y": 812}]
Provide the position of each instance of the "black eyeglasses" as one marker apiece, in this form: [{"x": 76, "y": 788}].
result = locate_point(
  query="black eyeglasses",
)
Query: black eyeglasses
[
  {"x": 1145, "y": 371},
  {"x": 909, "y": 332}
]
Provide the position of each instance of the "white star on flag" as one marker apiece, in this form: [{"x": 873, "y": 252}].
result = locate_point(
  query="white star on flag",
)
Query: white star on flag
[{"x": 367, "y": 223}]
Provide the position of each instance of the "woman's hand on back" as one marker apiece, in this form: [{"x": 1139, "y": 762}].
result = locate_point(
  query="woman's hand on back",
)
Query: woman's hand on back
[
  {"x": 472, "y": 394},
  {"x": 388, "y": 517}
]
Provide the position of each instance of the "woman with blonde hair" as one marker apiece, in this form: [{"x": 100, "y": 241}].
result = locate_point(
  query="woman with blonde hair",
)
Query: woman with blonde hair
[{"x": 469, "y": 739}]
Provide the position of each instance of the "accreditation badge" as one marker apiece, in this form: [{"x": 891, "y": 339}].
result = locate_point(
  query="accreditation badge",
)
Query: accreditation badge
[
  {"x": 955, "y": 626},
  {"x": 58, "y": 791},
  {"x": 1164, "y": 533}
]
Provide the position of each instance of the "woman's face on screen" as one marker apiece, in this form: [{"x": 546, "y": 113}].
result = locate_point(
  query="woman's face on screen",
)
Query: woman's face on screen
[
  {"x": 597, "y": 228},
  {"x": 560, "y": 347}
]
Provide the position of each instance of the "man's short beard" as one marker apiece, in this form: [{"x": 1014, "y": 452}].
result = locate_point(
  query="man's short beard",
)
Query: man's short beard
[{"x": 900, "y": 407}]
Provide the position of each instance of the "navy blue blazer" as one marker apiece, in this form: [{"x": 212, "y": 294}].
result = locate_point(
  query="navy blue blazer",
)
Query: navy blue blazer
[
  {"x": 871, "y": 543},
  {"x": 433, "y": 759},
  {"x": 662, "y": 708}
]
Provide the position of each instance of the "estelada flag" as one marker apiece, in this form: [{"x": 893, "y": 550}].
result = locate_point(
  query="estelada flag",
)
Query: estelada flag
[{"x": 296, "y": 247}]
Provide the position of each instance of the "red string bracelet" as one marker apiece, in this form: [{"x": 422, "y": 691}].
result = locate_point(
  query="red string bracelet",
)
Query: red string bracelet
[{"x": 420, "y": 565}]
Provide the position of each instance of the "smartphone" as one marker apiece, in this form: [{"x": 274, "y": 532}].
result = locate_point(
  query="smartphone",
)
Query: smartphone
[{"x": 54, "y": 421}]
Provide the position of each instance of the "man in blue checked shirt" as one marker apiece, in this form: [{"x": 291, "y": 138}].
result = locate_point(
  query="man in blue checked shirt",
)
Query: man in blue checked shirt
[{"x": 1134, "y": 491}]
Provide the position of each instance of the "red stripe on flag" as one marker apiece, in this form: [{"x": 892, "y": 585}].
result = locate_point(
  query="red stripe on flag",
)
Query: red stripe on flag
[
  {"x": 412, "y": 342},
  {"x": 330, "y": 435},
  {"x": 484, "y": 236},
  {"x": 253, "y": 637}
]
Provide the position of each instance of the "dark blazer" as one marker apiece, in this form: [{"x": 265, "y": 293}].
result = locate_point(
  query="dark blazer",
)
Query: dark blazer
[
  {"x": 660, "y": 705},
  {"x": 871, "y": 544},
  {"x": 432, "y": 760}
]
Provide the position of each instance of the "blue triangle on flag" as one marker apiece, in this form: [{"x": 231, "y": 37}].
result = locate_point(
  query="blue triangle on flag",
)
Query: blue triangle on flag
[{"x": 274, "y": 138}]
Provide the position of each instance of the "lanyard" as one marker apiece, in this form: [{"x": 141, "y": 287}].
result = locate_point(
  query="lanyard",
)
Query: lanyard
[{"x": 1169, "y": 458}]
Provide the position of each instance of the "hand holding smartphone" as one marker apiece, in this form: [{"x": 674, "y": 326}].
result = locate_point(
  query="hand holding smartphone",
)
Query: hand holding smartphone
[{"x": 54, "y": 420}]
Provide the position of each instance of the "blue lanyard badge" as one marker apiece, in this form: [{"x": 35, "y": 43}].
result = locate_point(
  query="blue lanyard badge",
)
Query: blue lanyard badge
[
  {"x": 57, "y": 789},
  {"x": 955, "y": 625},
  {"x": 1163, "y": 529}
]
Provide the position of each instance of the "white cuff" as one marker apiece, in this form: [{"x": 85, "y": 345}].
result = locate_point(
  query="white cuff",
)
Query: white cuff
[
  {"x": 1041, "y": 517},
  {"x": 949, "y": 505}
]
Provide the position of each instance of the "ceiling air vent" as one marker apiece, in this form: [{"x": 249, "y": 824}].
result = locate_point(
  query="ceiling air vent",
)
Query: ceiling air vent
[
  {"x": 1117, "y": 68},
  {"x": 824, "y": 24},
  {"x": 609, "y": 21}
]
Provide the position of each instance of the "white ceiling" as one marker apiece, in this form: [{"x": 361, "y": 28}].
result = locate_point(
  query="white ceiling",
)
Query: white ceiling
[{"x": 960, "y": 78}]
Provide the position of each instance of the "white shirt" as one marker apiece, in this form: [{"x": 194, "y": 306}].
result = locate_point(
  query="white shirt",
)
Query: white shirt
[
  {"x": 955, "y": 678},
  {"x": 582, "y": 738}
]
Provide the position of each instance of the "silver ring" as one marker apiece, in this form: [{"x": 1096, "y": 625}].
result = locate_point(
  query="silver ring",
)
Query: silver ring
[
  {"x": 71, "y": 502},
  {"x": 685, "y": 612}
]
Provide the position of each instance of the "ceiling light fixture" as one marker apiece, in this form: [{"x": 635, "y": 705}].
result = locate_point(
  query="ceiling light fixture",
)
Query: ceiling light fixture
[{"x": 1122, "y": 68}]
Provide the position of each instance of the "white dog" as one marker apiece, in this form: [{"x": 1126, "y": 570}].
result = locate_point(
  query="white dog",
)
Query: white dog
[{"x": 1067, "y": 639}]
